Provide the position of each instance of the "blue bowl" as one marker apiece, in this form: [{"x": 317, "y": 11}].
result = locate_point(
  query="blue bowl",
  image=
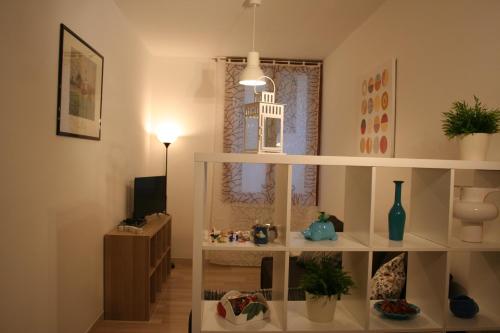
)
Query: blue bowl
[
  {"x": 463, "y": 306},
  {"x": 397, "y": 316}
]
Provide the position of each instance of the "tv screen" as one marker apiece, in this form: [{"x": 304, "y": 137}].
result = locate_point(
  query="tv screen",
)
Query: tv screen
[{"x": 149, "y": 196}]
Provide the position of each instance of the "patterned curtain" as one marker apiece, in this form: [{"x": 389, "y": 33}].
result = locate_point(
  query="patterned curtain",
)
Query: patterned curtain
[{"x": 298, "y": 87}]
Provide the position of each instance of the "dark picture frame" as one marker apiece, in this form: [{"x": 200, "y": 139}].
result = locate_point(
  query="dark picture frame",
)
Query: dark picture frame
[{"x": 79, "y": 87}]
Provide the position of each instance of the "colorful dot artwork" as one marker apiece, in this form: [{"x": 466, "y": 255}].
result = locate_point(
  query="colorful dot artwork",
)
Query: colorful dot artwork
[
  {"x": 368, "y": 145},
  {"x": 376, "y": 145},
  {"x": 384, "y": 122},
  {"x": 385, "y": 77},
  {"x": 376, "y": 103},
  {"x": 376, "y": 115},
  {"x": 376, "y": 124},
  {"x": 385, "y": 100},
  {"x": 370, "y": 85},
  {"x": 378, "y": 82},
  {"x": 383, "y": 144}
]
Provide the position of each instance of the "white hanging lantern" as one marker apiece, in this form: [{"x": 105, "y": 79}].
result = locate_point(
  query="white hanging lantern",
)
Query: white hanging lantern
[{"x": 264, "y": 123}]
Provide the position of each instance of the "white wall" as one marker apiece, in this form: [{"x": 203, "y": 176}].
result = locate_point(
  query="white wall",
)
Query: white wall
[
  {"x": 446, "y": 50},
  {"x": 183, "y": 93},
  {"x": 59, "y": 195}
]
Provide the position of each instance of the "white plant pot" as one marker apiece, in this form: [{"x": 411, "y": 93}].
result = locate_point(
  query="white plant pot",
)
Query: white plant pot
[
  {"x": 474, "y": 147},
  {"x": 473, "y": 211},
  {"x": 320, "y": 308}
]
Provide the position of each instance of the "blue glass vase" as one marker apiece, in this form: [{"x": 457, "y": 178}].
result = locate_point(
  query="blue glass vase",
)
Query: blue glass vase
[{"x": 397, "y": 215}]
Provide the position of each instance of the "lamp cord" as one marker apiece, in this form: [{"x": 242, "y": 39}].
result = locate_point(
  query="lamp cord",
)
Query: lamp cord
[{"x": 253, "y": 31}]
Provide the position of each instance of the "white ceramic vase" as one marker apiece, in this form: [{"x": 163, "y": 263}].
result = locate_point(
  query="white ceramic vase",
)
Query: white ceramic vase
[
  {"x": 320, "y": 308},
  {"x": 474, "y": 146},
  {"x": 473, "y": 211}
]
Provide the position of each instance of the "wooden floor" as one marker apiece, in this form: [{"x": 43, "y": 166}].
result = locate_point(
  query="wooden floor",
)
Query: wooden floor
[{"x": 173, "y": 304}]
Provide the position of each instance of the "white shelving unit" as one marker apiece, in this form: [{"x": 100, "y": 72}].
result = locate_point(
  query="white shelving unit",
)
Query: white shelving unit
[{"x": 431, "y": 240}]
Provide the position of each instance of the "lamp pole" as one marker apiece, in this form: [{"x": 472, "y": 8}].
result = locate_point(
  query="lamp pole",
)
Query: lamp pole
[
  {"x": 172, "y": 264},
  {"x": 166, "y": 171},
  {"x": 167, "y": 134}
]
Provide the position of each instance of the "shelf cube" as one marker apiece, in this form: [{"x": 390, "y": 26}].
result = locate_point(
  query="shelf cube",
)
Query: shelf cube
[
  {"x": 476, "y": 274},
  {"x": 218, "y": 279},
  {"x": 426, "y": 276},
  {"x": 351, "y": 309}
]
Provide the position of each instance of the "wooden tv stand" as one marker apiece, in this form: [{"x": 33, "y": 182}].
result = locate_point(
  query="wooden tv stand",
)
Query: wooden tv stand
[{"x": 135, "y": 266}]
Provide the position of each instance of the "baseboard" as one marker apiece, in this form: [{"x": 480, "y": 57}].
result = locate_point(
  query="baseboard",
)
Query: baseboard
[
  {"x": 100, "y": 317},
  {"x": 182, "y": 260}
]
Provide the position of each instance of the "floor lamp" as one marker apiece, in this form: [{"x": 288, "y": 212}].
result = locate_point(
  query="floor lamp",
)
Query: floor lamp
[
  {"x": 166, "y": 137},
  {"x": 166, "y": 164}
]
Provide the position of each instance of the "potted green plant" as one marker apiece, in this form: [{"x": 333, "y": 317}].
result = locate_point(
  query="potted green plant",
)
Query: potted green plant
[
  {"x": 472, "y": 125},
  {"x": 323, "y": 282}
]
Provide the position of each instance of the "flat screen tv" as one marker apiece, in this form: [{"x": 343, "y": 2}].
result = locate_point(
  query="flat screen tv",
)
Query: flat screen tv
[{"x": 149, "y": 196}]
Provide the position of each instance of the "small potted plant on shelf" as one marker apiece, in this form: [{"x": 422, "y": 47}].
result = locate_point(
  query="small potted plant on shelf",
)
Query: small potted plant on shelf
[
  {"x": 323, "y": 282},
  {"x": 472, "y": 125}
]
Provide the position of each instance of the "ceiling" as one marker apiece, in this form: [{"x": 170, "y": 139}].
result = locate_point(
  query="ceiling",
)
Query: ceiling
[{"x": 299, "y": 29}]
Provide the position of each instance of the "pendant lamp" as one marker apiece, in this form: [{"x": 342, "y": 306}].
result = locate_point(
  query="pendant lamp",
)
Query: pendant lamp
[{"x": 253, "y": 75}]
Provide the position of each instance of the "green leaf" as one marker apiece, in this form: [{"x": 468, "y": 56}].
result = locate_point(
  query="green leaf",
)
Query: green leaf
[
  {"x": 253, "y": 309},
  {"x": 323, "y": 217}
]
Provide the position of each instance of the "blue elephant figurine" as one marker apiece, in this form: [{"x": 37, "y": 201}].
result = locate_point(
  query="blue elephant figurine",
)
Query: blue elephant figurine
[{"x": 320, "y": 229}]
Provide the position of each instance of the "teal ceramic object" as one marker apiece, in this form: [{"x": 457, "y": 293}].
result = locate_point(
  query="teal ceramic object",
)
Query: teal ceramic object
[
  {"x": 397, "y": 215},
  {"x": 321, "y": 229}
]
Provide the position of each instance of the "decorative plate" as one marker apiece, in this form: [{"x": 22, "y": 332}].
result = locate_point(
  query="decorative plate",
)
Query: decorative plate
[
  {"x": 412, "y": 309},
  {"x": 241, "y": 308}
]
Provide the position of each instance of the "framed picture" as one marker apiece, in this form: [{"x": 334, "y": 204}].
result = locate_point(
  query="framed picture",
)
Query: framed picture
[
  {"x": 79, "y": 97},
  {"x": 377, "y": 111}
]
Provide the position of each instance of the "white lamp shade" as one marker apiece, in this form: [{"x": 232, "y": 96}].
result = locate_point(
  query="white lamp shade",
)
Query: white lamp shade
[
  {"x": 167, "y": 133},
  {"x": 252, "y": 75}
]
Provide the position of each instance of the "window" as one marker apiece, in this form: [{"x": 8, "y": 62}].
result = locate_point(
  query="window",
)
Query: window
[{"x": 298, "y": 87}]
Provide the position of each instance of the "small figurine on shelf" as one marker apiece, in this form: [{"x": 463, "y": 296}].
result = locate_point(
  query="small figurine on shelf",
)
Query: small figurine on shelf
[
  {"x": 233, "y": 236},
  {"x": 272, "y": 232},
  {"x": 214, "y": 235},
  {"x": 245, "y": 236},
  {"x": 260, "y": 234},
  {"x": 223, "y": 238},
  {"x": 321, "y": 229}
]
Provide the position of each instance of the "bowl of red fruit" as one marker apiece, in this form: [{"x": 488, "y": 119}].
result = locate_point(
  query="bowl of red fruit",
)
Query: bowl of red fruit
[{"x": 397, "y": 309}]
